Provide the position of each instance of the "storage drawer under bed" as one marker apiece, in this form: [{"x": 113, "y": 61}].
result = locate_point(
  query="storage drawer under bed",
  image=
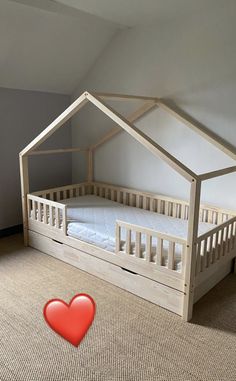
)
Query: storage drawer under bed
[{"x": 139, "y": 285}]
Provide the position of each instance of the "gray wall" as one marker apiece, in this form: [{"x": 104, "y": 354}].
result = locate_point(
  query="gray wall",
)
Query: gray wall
[
  {"x": 23, "y": 115},
  {"x": 192, "y": 63}
]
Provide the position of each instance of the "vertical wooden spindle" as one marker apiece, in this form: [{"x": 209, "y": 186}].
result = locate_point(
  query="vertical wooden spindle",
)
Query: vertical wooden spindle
[
  {"x": 39, "y": 212},
  {"x": 128, "y": 241},
  {"x": 171, "y": 259},
  {"x": 118, "y": 234},
  {"x": 138, "y": 244},
  {"x": 57, "y": 217},
  {"x": 45, "y": 217},
  {"x": 159, "y": 251},
  {"x": 148, "y": 247},
  {"x": 34, "y": 210},
  {"x": 50, "y": 215}
]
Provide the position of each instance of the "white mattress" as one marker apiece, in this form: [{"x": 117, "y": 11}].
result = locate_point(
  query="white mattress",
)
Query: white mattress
[{"x": 93, "y": 219}]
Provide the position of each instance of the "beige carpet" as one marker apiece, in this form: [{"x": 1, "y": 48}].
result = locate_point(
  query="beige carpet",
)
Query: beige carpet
[{"x": 130, "y": 339}]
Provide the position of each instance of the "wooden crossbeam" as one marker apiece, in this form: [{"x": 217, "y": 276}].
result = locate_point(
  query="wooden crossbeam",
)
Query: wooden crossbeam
[
  {"x": 206, "y": 134},
  {"x": 220, "y": 172},
  {"x": 57, "y": 123},
  {"x": 123, "y": 96},
  {"x": 143, "y": 139},
  {"x": 126, "y": 124},
  {"x": 60, "y": 150},
  {"x": 138, "y": 114}
]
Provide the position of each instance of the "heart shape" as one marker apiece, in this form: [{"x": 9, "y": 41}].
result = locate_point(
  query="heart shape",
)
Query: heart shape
[{"x": 71, "y": 321}]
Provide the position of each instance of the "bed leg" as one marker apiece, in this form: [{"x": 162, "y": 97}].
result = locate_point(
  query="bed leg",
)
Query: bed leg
[
  {"x": 190, "y": 255},
  {"x": 188, "y": 305}
]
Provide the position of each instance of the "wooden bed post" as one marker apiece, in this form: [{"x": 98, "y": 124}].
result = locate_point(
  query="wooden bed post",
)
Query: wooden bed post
[
  {"x": 24, "y": 175},
  {"x": 193, "y": 220},
  {"x": 90, "y": 166}
]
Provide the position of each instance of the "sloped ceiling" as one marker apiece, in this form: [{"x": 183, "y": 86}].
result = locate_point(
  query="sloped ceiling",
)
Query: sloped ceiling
[
  {"x": 141, "y": 12},
  {"x": 50, "y": 45},
  {"x": 48, "y": 48}
]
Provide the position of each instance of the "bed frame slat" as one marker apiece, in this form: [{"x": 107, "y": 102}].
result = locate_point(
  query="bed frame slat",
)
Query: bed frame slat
[
  {"x": 128, "y": 242},
  {"x": 159, "y": 252},
  {"x": 148, "y": 247},
  {"x": 138, "y": 244},
  {"x": 171, "y": 256}
]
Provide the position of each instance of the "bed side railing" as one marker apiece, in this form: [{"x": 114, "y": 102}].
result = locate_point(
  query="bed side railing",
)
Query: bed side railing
[
  {"x": 215, "y": 244},
  {"x": 144, "y": 200},
  {"x": 154, "y": 248},
  {"x": 159, "y": 203},
  {"x": 47, "y": 212},
  {"x": 64, "y": 192}
]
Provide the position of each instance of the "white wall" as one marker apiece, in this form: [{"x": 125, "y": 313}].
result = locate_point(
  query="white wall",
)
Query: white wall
[
  {"x": 23, "y": 115},
  {"x": 46, "y": 46},
  {"x": 192, "y": 63}
]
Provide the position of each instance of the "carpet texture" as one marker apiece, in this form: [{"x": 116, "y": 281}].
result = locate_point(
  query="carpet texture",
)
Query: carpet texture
[{"x": 130, "y": 339}]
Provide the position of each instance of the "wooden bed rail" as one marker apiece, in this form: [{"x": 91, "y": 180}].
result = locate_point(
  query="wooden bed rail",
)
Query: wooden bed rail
[
  {"x": 143, "y": 200},
  {"x": 215, "y": 244},
  {"x": 64, "y": 192},
  {"x": 150, "y": 245},
  {"x": 48, "y": 212},
  {"x": 159, "y": 203}
]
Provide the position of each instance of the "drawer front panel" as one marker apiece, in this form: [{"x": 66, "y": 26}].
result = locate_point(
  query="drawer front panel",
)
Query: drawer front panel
[{"x": 148, "y": 289}]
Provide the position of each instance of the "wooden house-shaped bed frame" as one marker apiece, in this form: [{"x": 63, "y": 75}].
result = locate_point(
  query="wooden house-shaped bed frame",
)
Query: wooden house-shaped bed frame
[{"x": 206, "y": 259}]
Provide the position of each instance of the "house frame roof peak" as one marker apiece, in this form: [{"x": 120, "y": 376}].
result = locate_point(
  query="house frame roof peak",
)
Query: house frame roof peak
[{"x": 126, "y": 124}]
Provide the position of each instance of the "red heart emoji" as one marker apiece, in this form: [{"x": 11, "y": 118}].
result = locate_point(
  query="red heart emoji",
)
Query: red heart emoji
[{"x": 71, "y": 321}]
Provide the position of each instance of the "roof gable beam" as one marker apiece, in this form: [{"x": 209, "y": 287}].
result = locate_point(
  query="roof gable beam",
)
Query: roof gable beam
[
  {"x": 210, "y": 136},
  {"x": 135, "y": 116},
  {"x": 57, "y": 123},
  {"x": 126, "y": 124},
  {"x": 143, "y": 139}
]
